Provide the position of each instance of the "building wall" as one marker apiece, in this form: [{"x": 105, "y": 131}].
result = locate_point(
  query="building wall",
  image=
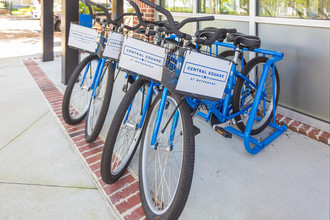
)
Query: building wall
[{"x": 304, "y": 71}]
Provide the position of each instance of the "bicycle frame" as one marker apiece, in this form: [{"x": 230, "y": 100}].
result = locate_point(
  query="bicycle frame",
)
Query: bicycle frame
[
  {"x": 224, "y": 115},
  {"x": 98, "y": 71},
  {"x": 99, "y": 68},
  {"x": 144, "y": 107}
]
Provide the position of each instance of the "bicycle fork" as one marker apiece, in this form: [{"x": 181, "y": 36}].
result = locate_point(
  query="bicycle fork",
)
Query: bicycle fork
[
  {"x": 175, "y": 116},
  {"x": 98, "y": 75},
  {"x": 144, "y": 108}
]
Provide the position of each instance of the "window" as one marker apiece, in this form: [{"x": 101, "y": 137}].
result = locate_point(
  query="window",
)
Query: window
[
  {"x": 312, "y": 9},
  {"x": 231, "y": 7},
  {"x": 178, "y": 5}
]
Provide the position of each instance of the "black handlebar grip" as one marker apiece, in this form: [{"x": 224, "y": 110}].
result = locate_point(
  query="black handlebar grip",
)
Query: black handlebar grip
[
  {"x": 169, "y": 19},
  {"x": 185, "y": 21},
  {"x": 233, "y": 30},
  {"x": 138, "y": 13},
  {"x": 102, "y": 8},
  {"x": 188, "y": 20},
  {"x": 151, "y": 22},
  {"x": 206, "y": 18},
  {"x": 116, "y": 21},
  {"x": 132, "y": 28}
]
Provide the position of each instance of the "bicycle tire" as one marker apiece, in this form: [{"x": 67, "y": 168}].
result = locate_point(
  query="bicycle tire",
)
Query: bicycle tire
[
  {"x": 111, "y": 166},
  {"x": 250, "y": 68},
  {"x": 70, "y": 105},
  {"x": 92, "y": 129},
  {"x": 182, "y": 184},
  {"x": 229, "y": 54}
]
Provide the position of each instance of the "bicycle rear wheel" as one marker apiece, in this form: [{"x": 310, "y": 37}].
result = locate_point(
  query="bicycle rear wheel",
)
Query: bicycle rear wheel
[
  {"x": 244, "y": 95},
  {"x": 99, "y": 104},
  {"x": 78, "y": 93},
  {"x": 166, "y": 172},
  {"x": 124, "y": 133},
  {"x": 229, "y": 54}
]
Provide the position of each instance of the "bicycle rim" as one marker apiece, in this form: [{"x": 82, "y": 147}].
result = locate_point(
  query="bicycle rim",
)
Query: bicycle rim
[
  {"x": 161, "y": 167},
  {"x": 81, "y": 92},
  {"x": 265, "y": 107},
  {"x": 129, "y": 133},
  {"x": 96, "y": 102}
]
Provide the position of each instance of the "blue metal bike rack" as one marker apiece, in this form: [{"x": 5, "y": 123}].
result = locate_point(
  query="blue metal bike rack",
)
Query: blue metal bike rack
[
  {"x": 248, "y": 139},
  {"x": 246, "y": 135}
]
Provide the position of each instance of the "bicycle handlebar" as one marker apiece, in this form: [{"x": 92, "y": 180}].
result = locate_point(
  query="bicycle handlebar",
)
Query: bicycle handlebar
[
  {"x": 90, "y": 10},
  {"x": 189, "y": 20},
  {"x": 186, "y": 21},
  {"x": 169, "y": 17},
  {"x": 175, "y": 29},
  {"x": 138, "y": 13},
  {"x": 100, "y": 7},
  {"x": 116, "y": 21}
]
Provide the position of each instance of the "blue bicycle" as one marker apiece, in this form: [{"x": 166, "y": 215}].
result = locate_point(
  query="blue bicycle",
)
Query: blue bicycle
[
  {"x": 167, "y": 144},
  {"x": 126, "y": 128},
  {"x": 89, "y": 89}
]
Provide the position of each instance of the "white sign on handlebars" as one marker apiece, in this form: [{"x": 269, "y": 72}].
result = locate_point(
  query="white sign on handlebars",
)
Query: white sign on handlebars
[
  {"x": 142, "y": 58},
  {"x": 113, "y": 47},
  {"x": 83, "y": 38},
  {"x": 204, "y": 75}
]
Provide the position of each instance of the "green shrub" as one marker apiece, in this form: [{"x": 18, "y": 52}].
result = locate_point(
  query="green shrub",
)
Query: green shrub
[
  {"x": 83, "y": 9},
  {"x": 23, "y": 11}
]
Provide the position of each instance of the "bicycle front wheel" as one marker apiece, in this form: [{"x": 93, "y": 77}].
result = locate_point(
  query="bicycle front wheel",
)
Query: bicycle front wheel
[
  {"x": 99, "y": 104},
  {"x": 244, "y": 95},
  {"x": 78, "y": 92},
  {"x": 124, "y": 133},
  {"x": 166, "y": 171}
]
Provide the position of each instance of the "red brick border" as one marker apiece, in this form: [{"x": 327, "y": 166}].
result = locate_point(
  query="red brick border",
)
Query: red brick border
[
  {"x": 124, "y": 194},
  {"x": 302, "y": 128}
]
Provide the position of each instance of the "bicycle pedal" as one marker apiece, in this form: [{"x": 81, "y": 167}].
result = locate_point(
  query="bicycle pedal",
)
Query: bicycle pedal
[
  {"x": 125, "y": 88},
  {"x": 99, "y": 98},
  {"x": 223, "y": 132},
  {"x": 196, "y": 130}
]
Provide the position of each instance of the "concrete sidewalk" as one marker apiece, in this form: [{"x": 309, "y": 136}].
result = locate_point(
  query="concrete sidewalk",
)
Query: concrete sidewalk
[{"x": 41, "y": 176}]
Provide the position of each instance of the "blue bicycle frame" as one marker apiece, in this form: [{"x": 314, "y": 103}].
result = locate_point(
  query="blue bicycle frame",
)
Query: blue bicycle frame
[
  {"x": 145, "y": 105},
  {"x": 98, "y": 71},
  {"x": 224, "y": 115}
]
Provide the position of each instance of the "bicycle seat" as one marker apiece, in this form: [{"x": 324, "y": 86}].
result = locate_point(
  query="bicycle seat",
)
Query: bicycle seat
[
  {"x": 231, "y": 37},
  {"x": 248, "y": 41},
  {"x": 208, "y": 32},
  {"x": 198, "y": 33}
]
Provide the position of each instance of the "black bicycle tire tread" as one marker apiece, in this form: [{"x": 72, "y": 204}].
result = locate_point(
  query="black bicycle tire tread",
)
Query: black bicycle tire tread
[
  {"x": 237, "y": 90},
  {"x": 104, "y": 107},
  {"x": 106, "y": 175},
  {"x": 228, "y": 53},
  {"x": 68, "y": 91},
  {"x": 183, "y": 190}
]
